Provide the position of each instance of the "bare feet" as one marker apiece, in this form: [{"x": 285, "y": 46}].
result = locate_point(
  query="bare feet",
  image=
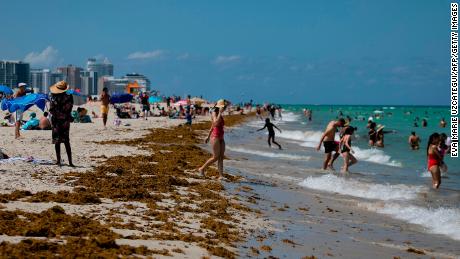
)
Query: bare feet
[
  {"x": 201, "y": 171},
  {"x": 330, "y": 167}
]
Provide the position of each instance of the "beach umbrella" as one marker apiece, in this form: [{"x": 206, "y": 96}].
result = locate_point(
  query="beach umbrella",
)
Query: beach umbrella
[
  {"x": 73, "y": 92},
  {"x": 155, "y": 99},
  {"x": 121, "y": 98},
  {"x": 78, "y": 98},
  {"x": 23, "y": 103},
  {"x": 181, "y": 102},
  {"x": 6, "y": 90},
  {"x": 197, "y": 100}
]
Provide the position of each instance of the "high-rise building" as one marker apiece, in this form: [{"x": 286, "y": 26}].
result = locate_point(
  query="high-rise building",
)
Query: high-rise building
[
  {"x": 142, "y": 81},
  {"x": 115, "y": 85},
  {"x": 71, "y": 75},
  {"x": 54, "y": 78},
  {"x": 14, "y": 72},
  {"x": 40, "y": 80},
  {"x": 89, "y": 80},
  {"x": 104, "y": 68}
]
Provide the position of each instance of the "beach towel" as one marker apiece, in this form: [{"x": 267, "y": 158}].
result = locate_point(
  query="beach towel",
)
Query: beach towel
[{"x": 28, "y": 160}]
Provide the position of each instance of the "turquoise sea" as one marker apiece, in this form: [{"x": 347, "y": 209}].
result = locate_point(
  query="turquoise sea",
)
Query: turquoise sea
[{"x": 392, "y": 180}]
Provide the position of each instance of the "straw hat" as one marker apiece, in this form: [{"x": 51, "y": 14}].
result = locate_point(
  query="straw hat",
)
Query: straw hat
[
  {"x": 59, "y": 87},
  {"x": 221, "y": 103}
]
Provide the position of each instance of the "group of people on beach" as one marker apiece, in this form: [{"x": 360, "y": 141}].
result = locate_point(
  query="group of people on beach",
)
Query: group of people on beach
[
  {"x": 438, "y": 146},
  {"x": 342, "y": 147}
]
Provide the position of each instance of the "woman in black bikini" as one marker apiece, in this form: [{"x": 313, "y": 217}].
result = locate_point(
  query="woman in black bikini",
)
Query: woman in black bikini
[{"x": 346, "y": 150}]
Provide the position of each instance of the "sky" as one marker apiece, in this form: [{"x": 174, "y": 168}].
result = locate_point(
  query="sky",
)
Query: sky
[{"x": 296, "y": 52}]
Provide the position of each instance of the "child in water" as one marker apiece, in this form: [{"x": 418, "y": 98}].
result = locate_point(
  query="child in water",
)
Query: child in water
[
  {"x": 346, "y": 150},
  {"x": 271, "y": 132}
]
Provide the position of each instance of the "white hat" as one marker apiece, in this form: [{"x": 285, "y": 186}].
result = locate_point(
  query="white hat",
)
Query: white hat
[{"x": 22, "y": 84}]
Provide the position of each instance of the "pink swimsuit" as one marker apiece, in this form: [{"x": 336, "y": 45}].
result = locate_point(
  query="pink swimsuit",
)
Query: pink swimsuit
[{"x": 218, "y": 130}]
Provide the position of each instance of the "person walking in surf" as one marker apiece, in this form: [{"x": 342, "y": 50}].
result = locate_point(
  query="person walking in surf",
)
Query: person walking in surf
[
  {"x": 330, "y": 145},
  {"x": 271, "y": 132},
  {"x": 434, "y": 159},
  {"x": 346, "y": 150}
]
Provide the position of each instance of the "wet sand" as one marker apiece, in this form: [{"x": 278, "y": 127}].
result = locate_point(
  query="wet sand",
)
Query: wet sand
[{"x": 316, "y": 224}]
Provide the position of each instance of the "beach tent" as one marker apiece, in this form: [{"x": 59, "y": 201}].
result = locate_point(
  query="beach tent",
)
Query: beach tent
[
  {"x": 197, "y": 100},
  {"x": 155, "y": 99},
  {"x": 25, "y": 102},
  {"x": 6, "y": 90},
  {"x": 121, "y": 98}
]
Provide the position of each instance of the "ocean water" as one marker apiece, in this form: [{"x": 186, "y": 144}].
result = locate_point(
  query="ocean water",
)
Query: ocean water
[{"x": 392, "y": 180}]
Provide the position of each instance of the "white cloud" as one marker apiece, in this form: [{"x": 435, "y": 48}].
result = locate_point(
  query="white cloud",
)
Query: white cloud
[
  {"x": 155, "y": 54},
  {"x": 47, "y": 57},
  {"x": 183, "y": 56},
  {"x": 221, "y": 60}
]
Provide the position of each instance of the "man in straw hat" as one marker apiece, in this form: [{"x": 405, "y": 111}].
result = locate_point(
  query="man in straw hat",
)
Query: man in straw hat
[{"x": 61, "y": 105}]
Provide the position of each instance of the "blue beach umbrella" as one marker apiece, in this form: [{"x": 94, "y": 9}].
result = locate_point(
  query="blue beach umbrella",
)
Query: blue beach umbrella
[
  {"x": 25, "y": 102},
  {"x": 121, "y": 98},
  {"x": 155, "y": 99},
  {"x": 6, "y": 90},
  {"x": 73, "y": 92}
]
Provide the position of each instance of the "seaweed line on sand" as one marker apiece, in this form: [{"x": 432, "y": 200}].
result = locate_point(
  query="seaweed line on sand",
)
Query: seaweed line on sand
[{"x": 179, "y": 205}]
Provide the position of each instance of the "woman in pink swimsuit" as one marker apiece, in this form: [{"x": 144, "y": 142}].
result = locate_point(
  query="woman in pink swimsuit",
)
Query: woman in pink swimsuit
[{"x": 216, "y": 135}]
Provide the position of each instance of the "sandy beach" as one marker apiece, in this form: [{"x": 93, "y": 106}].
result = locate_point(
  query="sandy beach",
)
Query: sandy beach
[{"x": 135, "y": 193}]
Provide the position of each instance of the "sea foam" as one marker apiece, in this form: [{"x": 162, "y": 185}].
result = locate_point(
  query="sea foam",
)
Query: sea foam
[
  {"x": 311, "y": 139},
  {"x": 351, "y": 187},
  {"x": 440, "y": 220},
  {"x": 280, "y": 154}
]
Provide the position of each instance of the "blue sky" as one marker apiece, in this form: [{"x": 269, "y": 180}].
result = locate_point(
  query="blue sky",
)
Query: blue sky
[{"x": 318, "y": 52}]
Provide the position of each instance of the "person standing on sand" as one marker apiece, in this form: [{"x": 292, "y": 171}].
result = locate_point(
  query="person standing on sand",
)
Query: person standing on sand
[
  {"x": 327, "y": 139},
  {"x": 434, "y": 159},
  {"x": 346, "y": 150},
  {"x": 271, "y": 132},
  {"x": 61, "y": 105},
  {"x": 19, "y": 93},
  {"x": 216, "y": 135},
  {"x": 105, "y": 101},
  {"x": 414, "y": 141},
  {"x": 145, "y": 104}
]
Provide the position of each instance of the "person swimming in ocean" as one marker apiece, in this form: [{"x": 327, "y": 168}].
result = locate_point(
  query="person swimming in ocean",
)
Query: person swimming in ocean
[
  {"x": 271, "y": 132},
  {"x": 346, "y": 150},
  {"x": 424, "y": 123},
  {"x": 414, "y": 141},
  {"x": 330, "y": 145},
  {"x": 442, "y": 123},
  {"x": 372, "y": 133}
]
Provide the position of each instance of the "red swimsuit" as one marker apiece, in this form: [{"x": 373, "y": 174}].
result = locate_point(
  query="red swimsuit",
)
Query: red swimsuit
[
  {"x": 432, "y": 160},
  {"x": 218, "y": 130}
]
